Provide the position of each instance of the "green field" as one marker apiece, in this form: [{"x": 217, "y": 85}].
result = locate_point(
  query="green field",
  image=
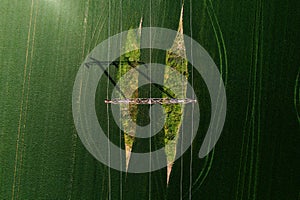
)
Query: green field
[{"x": 256, "y": 46}]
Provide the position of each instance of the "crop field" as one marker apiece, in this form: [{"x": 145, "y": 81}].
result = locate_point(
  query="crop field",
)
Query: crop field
[{"x": 256, "y": 47}]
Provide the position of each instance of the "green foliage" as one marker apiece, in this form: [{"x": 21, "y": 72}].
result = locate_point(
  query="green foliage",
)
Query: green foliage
[
  {"x": 175, "y": 58},
  {"x": 129, "y": 61}
]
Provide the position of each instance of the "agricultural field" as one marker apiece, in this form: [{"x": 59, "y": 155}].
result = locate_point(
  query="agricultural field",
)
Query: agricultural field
[{"x": 254, "y": 44}]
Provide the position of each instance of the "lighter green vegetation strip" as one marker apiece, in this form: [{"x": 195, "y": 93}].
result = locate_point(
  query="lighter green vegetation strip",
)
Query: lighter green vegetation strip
[
  {"x": 133, "y": 39},
  {"x": 176, "y": 59}
]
